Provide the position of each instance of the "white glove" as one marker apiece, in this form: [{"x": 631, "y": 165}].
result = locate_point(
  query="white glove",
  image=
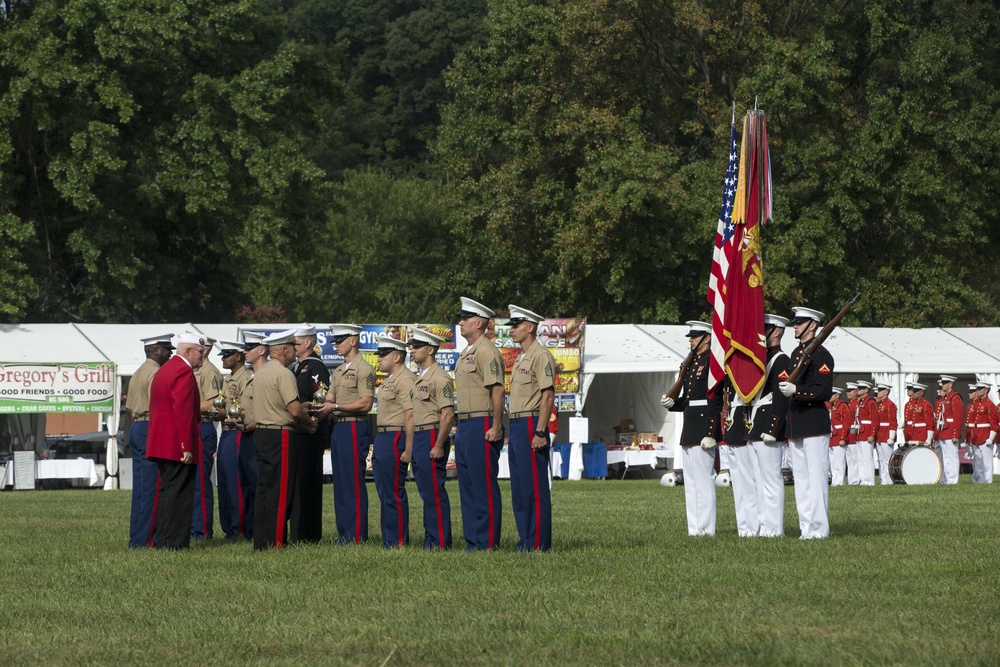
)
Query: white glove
[
  {"x": 786, "y": 388},
  {"x": 993, "y": 436},
  {"x": 666, "y": 401},
  {"x": 707, "y": 442},
  {"x": 892, "y": 438},
  {"x": 768, "y": 438},
  {"x": 929, "y": 441}
]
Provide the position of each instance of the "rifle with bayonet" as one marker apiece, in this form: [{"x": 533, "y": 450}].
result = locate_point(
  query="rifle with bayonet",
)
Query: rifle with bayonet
[{"x": 818, "y": 339}]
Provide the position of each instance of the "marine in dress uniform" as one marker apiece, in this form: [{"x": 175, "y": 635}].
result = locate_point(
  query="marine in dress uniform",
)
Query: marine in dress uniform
[
  {"x": 433, "y": 417},
  {"x": 981, "y": 432},
  {"x": 145, "y": 476},
  {"x": 277, "y": 409},
  {"x": 853, "y": 473},
  {"x": 867, "y": 412},
  {"x": 479, "y": 386},
  {"x": 840, "y": 424},
  {"x": 918, "y": 418},
  {"x": 949, "y": 414},
  {"x": 256, "y": 356},
  {"x": 700, "y": 433},
  {"x": 393, "y": 447},
  {"x": 532, "y": 395},
  {"x": 808, "y": 427},
  {"x": 307, "y": 503},
  {"x": 173, "y": 441},
  {"x": 768, "y": 412},
  {"x": 741, "y": 463},
  {"x": 231, "y": 511},
  {"x": 885, "y": 438},
  {"x": 350, "y": 398},
  {"x": 209, "y": 380}
]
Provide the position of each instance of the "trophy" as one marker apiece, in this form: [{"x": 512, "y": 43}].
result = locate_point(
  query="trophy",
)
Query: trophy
[
  {"x": 319, "y": 396},
  {"x": 234, "y": 409},
  {"x": 219, "y": 402}
]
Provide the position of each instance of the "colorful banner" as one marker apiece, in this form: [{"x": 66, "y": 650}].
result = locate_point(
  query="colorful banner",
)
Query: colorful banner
[
  {"x": 73, "y": 387},
  {"x": 564, "y": 337}
]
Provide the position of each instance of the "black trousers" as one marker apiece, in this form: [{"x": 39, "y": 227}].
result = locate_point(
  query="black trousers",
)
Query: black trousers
[
  {"x": 275, "y": 450},
  {"x": 175, "y": 504},
  {"x": 307, "y": 501}
]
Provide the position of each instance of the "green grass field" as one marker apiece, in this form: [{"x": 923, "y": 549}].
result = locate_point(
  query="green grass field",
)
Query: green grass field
[{"x": 910, "y": 576}]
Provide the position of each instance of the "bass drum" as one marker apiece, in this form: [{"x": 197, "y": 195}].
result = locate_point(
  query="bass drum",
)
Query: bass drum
[{"x": 914, "y": 464}]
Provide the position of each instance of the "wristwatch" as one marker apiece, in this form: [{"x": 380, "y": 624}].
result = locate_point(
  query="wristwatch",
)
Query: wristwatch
[{"x": 541, "y": 434}]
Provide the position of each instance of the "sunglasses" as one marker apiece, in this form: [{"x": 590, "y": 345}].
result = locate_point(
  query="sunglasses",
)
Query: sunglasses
[
  {"x": 337, "y": 340},
  {"x": 383, "y": 351},
  {"x": 230, "y": 353},
  {"x": 417, "y": 344}
]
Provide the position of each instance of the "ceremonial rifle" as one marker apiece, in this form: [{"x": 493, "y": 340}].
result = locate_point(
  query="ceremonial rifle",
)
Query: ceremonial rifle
[
  {"x": 675, "y": 391},
  {"x": 817, "y": 340}
]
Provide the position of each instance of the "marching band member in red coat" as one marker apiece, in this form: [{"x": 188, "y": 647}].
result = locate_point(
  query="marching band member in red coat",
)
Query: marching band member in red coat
[
  {"x": 840, "y": 422},
  {"x": 918, "y": 416},
  {"x": 851, "y": 397},
  {"x": 173, "y": 442},
  {"x": 980, "y": 432},
  {"x": 885, "y": 437},
  {"x": 949, "y": 417},
  {"x": 867, "y": 429}
]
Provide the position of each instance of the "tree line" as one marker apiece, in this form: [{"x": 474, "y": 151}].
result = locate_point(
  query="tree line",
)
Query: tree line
[{"x": 373, "y": 159}]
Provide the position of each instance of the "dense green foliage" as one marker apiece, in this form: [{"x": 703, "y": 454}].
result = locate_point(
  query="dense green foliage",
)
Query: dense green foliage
[
  {"x": 373, "y": 159},
  {"x": 623, "y": 585}
]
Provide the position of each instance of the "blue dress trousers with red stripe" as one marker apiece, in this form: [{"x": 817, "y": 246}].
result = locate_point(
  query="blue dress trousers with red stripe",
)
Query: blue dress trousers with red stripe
[
  {"x": 247, "y": 477},
  {"x": 349, "y": 444},
  {"x": 529, "y": 487},
  {"x": 477, "y": 461},
  {"x": 390, "y": 482},
  {"x": 227, "y": 470},
  {"x": 430, "y": 475},
  {"x": 145, "y": 485}
]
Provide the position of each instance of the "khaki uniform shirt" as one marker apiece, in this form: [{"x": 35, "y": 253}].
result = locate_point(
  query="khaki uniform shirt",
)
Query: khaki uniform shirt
[
  {"x": 352, "y": 381},
  {"x": 273, "y": 389},
  {"x": 246, "y": 401},
  {"x": 395, "y": 397},
  {"x": 209, "y": 381},
  {"x": 137, "y": 401},
  {"x": 432, "y": 393},
  {"x": 480, "y": 366},
  {"x": 533, "y": 371},
  {"x": 234, "y": 386}
]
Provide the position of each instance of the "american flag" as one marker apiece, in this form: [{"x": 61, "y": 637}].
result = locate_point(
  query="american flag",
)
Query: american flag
[{"x": 720, "y": 267}]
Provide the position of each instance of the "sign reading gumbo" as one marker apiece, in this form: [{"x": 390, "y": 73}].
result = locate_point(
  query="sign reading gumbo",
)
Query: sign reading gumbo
[{"x": 82, "y": 387}]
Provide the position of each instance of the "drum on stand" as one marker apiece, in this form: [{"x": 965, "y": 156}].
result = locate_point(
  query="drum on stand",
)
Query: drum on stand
[{"x": 914, "y": 464}]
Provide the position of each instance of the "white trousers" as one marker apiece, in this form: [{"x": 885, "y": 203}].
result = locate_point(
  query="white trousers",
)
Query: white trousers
[
  {"x": 811, "y": 466},
  {"x": 838, "y": 462},
  {"x": 853, "y": 478},
  {"x": 947, "y": 451},
  {"x": 884, "y": 454},
  {"x": 742, "y": 463},
  {"x": 770, "y": 487},
  {"x": 699, "y": 489},
  {"x": 725, "y": 457},
  {"x": 982, "y": 464},
  {"x": 866, "y": 464}
]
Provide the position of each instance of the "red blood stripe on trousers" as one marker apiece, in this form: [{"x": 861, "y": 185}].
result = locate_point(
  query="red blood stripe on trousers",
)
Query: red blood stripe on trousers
[
  {"x": 279, "y": 532},
  {"x": 397, "y": 464},
  {"x": 437, "y": 495},
  {"x": 489, "y": 477},
  {"x": 357, "y": 487},
  {"x": 534, "y": 474}
]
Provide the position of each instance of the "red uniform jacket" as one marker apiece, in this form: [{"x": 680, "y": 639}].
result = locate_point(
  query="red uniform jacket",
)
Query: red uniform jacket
[
  {"x": 174, "y": 415},
  {"x": 919, "y": 420},
  {"x": 948, "y": 417},
  {"x": 888, "y": 421},
  {"x": 981, "y": 419},
  {"x": 867, "y": 418},
  {"x": 852, "y": 433},
  {"x": 840, "y": 421}
]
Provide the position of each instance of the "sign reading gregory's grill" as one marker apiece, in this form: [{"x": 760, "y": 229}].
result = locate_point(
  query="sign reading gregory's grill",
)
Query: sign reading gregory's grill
[{"x": 82, "y": 387}]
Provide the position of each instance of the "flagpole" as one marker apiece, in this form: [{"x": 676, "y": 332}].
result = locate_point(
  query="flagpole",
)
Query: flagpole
[{"x": 734, "y": 112}]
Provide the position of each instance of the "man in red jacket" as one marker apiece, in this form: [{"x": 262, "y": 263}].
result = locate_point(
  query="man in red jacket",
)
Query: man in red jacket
[
  {"x": 840, "y": 423},
  {"x": 885, "y": 439},
  {"x": 867, "y": 429},
  {"x": 173, "y": 442},
  {"x": 949, "y": 420}
]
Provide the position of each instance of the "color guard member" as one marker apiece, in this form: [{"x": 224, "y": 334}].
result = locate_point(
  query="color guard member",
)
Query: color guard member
[
  {"x": 949, "y": 421},
  {"x": 768, "y": 412},
  {"x": 699, "y": 434},
  {"x": 479, "y": 435},
  {"x": 433, "y": 417},
  {"x": 145, "y": 476},
  {"x": 277, "y": 409},
  {"x": 532, "y": 395},
  {"x": 981, "y": 432},
  {"x": 867, "y": 430},
  {"x": 853, "y": 475},
  {"x": 918, "y": 426},
  {"x": 350, "y": 398},
  {"x": 173, "y": 441},
  {"x": 209, "y": 386},
  {"x": 741, "y": 464},
  {"x": 840, "y": 424},
  {"x": 307, "y": 503},
  {"x": 809, "y": 427},
  {"x": 227, "y": 459},
  {"x": 885, "y": 438},
  {"x": 394, "y": 442}
]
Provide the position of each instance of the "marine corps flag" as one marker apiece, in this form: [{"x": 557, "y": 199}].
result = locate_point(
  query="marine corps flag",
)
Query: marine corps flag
[{"x": 746, "y": 353}]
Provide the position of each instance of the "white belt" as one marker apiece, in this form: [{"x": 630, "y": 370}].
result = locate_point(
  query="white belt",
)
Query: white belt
[
  {"x": 863, "y": 421},
  {"x": 883, "y": 423},
  {"x": 760, "y": 401},
  {"x": 949, "y": 420},
  {"x": 981, "y": 425},
  {"x": 699, "y": 403},
  {"x": 921, "y": 424}
]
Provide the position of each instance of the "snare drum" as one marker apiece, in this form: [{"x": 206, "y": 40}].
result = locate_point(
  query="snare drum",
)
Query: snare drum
[{"x": 914, "y": 464}]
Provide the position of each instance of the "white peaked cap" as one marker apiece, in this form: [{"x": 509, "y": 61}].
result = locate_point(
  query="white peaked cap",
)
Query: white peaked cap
[
  {"x": 162, "y": 339},
  {"x": 306, "y": 329},
  {"x": 425, "y": 337},
  {"x": 345, "y": 329},
  {"x": 472, "y": 308},
  {"x": 696, "y": 328},
  {"x": 390, "y": 342},
  {"x": 188, "y": 338},
  {"x": 519, "y": 314},
  {"x": 281, "y": 337},
  {"x": 803, "y": 314}
]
